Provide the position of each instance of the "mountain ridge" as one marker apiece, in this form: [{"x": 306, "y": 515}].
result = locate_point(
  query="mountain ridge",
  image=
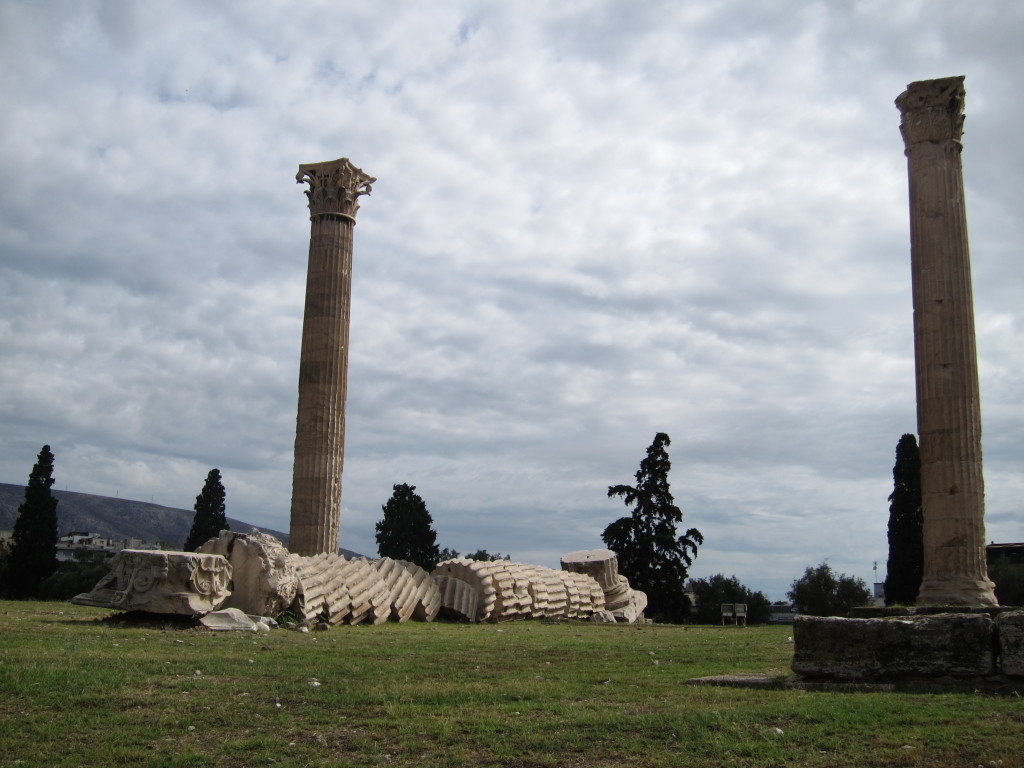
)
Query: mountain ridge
[{"x": 116, "y": 518}]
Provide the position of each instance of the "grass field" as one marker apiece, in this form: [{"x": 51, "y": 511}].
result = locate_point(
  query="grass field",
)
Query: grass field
[{"x": 75, "y": 690}]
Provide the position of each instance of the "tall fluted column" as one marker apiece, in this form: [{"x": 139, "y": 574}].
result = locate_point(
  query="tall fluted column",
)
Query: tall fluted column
[
  {"x": 948, "y": 401},
  {"x": 334, "y": 188}
]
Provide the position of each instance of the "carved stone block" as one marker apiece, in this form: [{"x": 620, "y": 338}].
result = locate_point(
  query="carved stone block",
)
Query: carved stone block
[
  {"x": 948, "y": 644},
  {"x": 180, "y": 583}
]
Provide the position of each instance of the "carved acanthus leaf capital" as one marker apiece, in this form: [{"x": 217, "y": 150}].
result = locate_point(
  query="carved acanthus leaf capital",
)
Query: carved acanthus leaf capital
[
  {"x": 334, "y": 187},
  {"x": 932, "y": 110}
]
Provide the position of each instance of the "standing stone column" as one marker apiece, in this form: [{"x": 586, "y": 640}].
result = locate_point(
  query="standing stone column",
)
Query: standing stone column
[
  {"x": 948, "y": 401},
  {"x": 334, "y": 188}
]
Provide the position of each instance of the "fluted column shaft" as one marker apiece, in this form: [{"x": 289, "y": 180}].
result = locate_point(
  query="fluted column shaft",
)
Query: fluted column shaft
[
  {"x": 948, "y": 400},
  {"x": 323, "y": 366}
]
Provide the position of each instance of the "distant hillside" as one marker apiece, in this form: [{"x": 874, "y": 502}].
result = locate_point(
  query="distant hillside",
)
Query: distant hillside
[{"x": 115, "y": 518}]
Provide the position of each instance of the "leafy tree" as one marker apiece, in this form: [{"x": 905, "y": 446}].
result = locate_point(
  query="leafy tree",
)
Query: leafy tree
[
  {"x": 819, "y": 592},
  {"x": 485, "y": 556},
  {"x": 406, "y": 532},
  {"x": 650, "y": 554},
  {"x": 906, "y": 526},
  {"x": 210, "y": 518},
  {"x": 711, "y": 593},
  {"x": 33, "y": 554},
  {"x": 74, "y": 578},
  {"x": 447, "y": 554}
]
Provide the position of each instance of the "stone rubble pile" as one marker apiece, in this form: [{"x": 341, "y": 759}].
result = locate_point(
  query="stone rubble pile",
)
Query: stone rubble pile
[{"x": 255, "y": 574}]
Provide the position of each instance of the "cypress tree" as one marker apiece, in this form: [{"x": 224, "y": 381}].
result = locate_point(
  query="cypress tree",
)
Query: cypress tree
[
  {"x": 906, "y": 526},
  {"x": 210, "y": 518},
  {"x": 33, "y": 554},
  {"x": 650, "y": 554},
  {"x": 406, "y": 531}
]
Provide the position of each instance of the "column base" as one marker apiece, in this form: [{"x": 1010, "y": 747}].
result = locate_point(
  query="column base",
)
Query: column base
[{"x": 966, "y": 592}]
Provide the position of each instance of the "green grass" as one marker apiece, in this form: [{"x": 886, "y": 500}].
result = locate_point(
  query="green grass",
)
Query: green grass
[{"x": 77, "y": 691}]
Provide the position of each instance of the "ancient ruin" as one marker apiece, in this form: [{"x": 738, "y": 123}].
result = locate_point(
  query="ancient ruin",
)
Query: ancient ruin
[
  {"x": 956, "y": 630},
  {"x": 266, "y": 580},
  {"x": 948, "y": 401},
  {"x": 177, "y": 583},
  {"x": 334, "y": 189},
  {"x": 624, "y": 603}
]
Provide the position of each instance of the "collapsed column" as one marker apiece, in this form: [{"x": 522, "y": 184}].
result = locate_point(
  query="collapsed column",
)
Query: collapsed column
[
  {"x": 948, "y": 400},
  {"x": 334, "y": 188}
]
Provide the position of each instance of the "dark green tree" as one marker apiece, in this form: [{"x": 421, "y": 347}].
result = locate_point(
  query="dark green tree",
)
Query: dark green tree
[
  {"x": 650, "y": 554},
  {"x": 820, "y": 592},
  {"x": 906, "y": 526},
  {"x": 447, "y": 554},
  {"x": 1008, "y": 577},
  {"x": 33, "y": 555},
  {"x": 485, "y": 556},
  {"x": 406, "y": 531},
  {"x": 711, "y": 593},
  {"x": 210, "y": 518}
]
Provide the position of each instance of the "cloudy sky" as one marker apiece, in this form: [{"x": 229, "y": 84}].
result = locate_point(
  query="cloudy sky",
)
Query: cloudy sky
[{"x": 593, "y": 221}]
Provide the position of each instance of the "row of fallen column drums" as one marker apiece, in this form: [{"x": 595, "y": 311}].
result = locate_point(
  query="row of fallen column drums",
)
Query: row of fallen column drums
[
  {"x": 374, "y": 591},
  {"x": 267, "y": 579}
]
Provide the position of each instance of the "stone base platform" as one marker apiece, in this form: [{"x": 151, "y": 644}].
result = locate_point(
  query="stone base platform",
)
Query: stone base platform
[
  {"x": 945, "y": 646},
  {"x": 998, "y": 685}
]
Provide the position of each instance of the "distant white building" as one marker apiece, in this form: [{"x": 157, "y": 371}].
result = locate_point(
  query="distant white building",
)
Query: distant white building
[{"x": 80, "y": 541}]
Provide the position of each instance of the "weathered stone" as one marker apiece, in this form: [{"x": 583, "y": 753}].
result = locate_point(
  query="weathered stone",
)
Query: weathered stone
[
  {"x": 414, "y": 594},
  {"x": 633, "y": 611},
  {"x": 947, "y": 644},
  {"x": 551, "y": 588},
  {"x": 334, "y": 188},
  {"x": 584, "y": 593},
  {"x": 228, "y": 619},
  {"x": 263, "y": 580},
  {"x": 602, "y": 617},
  {"x": 1010, "y": 631},
  {"x": 501, "y": 590},
  {"x": 348, "y": 591},
  {"x": 321, "y": 588},
  {"x": 460, "y": 600},
  {"x": 619, "y": 594},
  {"x": 475, "y": 574},
  {"x": 180, "y": 583},
  {"x": 371, "y": 599},
  {"x": 946, "y": 360},
  {"x": 600, "y": 564},
  {"x": 603, "y": 566}
]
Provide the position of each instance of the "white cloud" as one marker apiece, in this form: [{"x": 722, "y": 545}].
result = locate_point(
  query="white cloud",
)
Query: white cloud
[{"x": 592, "y": 222}]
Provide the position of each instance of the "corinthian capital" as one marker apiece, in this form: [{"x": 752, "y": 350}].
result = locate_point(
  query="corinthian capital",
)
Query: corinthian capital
[
  {"x": 932, "y": 110},
  {"x": 334, "y": 187}
]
